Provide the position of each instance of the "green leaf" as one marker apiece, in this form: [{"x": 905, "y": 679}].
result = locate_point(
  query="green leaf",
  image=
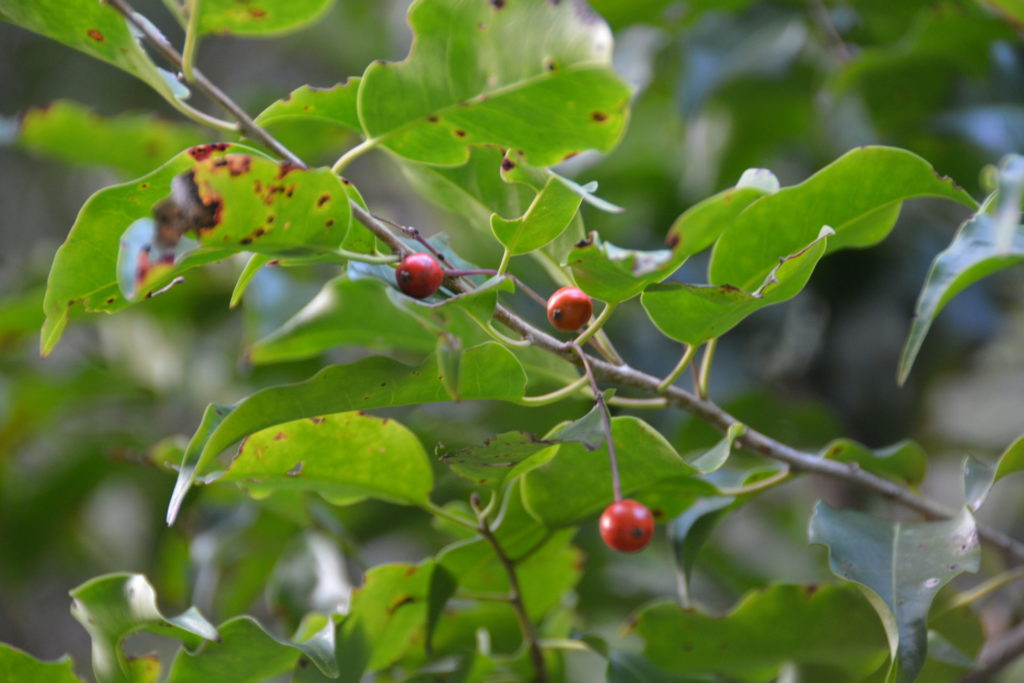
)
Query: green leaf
[
  {"x": 442, "y": 588},
  {"x": 253, "y": 17},
  {"x": 859, "y": 195},
  {"x": 488, "y": 371},
  {"x": 690, "y": 531},
  {"x": 900, "y": 567},
  {"x": 245, "y": 653},
  {"x": 904, "y": 461},
  {"x": 84, "y": 269},
  {"x": 613, "y": 274},
  {"x": 345, "y": 312},
  {"x": 114, "y": 606},
  {"x": 984, "y": 245},
  {"x": 131, "y": 144},
  {"x": 489, "y": 463},
  {"x": 830, "y": 626},
  {"x": 700, "y": 225},
  {"x": 95, "y": 28},
  {"x": 980, "y": 475},
  {"x": 16, "y": 665},
  {"x": 644, "y": 457},
  {"x": 693, "y": 314},
  {"x": 548, "y": 215},
  {"x": 336, "y": 105},
  {"x": 713, "y": 459},
  {"x": 482, "y": 74},
  {"x": 629, "y": 667},
  {"x": 345, "y": 457}
]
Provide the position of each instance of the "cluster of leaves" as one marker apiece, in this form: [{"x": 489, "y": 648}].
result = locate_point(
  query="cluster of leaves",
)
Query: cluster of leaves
[{"x": 476, "y": 115}]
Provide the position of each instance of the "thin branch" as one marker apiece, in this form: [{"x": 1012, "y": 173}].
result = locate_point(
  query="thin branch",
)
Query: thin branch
[
  {"x": 997, "y": 655},
  {"x": 824, "y": 22},
  {"x": 620, "y": 375},
  {"x": 515, "y": 595},
  {"x": 204, "y": 85}
]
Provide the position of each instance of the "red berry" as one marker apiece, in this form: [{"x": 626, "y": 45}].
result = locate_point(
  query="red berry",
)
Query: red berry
[
  {"x": 419, "y": 275},
  {"x": 569, "y": 309},
  {"x": 627, "y": 526}
]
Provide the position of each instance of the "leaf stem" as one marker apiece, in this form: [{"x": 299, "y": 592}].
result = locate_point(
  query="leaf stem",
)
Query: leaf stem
[
  {"x": 188, "y": 52},
  {"x": 985, "y": 588},
  {"x": 556, "y": 395},
  {"x": 596, "y": 325},
  {"x": 497, "y": 336},
  {"x": 353, "y": 154},
  {"x": 606, "y": 422},
  {"x": 202, "y": 118},
  {"x": 705, "y": 368},
  {"x": 762, "y": 485},
  {"x": 689, "y": 352},
  {"x": 506, "y": 258},
  {"x": 438, "y": 511}
]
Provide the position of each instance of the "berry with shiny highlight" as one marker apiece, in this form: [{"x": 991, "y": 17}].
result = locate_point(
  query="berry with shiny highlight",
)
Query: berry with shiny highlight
[
  {"x": 419, "y": 275},
  {"x": 627, "y": 526},
  {"x": 569, "y": 309}
]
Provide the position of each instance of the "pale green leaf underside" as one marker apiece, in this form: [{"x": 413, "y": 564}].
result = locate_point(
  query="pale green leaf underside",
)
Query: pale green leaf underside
[{"x": 901, "y": 567}]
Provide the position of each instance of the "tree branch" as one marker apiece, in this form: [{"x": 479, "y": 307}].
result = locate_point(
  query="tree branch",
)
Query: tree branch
[{"x": 620, "y": 375}]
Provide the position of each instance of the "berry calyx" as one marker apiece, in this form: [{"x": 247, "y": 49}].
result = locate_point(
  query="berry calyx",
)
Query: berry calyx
[
  {"x": 569, "y": 309},
  {"x": 627, "y": 526},
  {"x": 419, "y": 275}
]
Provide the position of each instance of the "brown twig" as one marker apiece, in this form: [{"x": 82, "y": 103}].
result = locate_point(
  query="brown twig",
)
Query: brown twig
[
  {"x": 515, "y": 595},
  {"x": 606, "y": 422}
]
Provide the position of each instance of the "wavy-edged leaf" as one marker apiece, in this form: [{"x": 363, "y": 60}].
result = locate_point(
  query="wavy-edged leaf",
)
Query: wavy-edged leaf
[
  {"x": 131, "y": 144},
  {"x": 549, "y": 214},
  {"x": 252, "y": 17},
  {"x": 713, "y": 459},
  {"x": 113, "y": 606},
  {"x": 858, "y": 194},
  {"x": 831, "y": 626},
  {"x": 533, "y": 76},
  {"x": 984, "y": 245},
  {"x": 84, "y": 270},
  {"x": 488, "y": 371},
  {"x": 95, "y": 28},
  {"x": 335, "y": 105},
  {"x": 16, "y": 665},
  {"x": 345, "y": 312},
  {"x": 904, "y": 461},
  {"x": 245, "y": 652},
  {"x": 644, "y": 457},
  {"x": 693, "y": 314},
  {"x": 613, "y": 274},
  {"x": 900, "y": 567},
  {"x": 344, "y": 457},
  {"x": 699, "y": 226}
]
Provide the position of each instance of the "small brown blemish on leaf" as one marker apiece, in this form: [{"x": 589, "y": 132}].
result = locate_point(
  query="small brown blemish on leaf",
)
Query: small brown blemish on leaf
[
  {"x": 143, "y": 186},
  {"x": 507, "y": 165},
  {"x": 239, "y": 164},
  {"x": 411, "y": 570},
  {"x": 290, "y": 191},
  {"x": 111, "y": 299},
  {"x": 658, "y": 514},
  {"x": 432, "y": 119},
  {"x": 95, "y": 35},
  {"x": 260, "y": 232},
  {"x": 316, "y": 420},
  {"x": 346, "y": 181},
  {"x": 550, "y": 64},
  {"x": 570, "y": 155},
  {"x": 399, "y": 601},
  {"x": 280, "y": 436},
  {"x": 329, "y": 222},
  {"x": 323, "y": 199},
  {"x": 598, "y": 116},
  {"x": 497, "y": 4},
  {"x": 296, "y": 470},
  {"x": 220, "y": 163},
  {"x": 246, "y": 240},
  {"x": 459, "y": 133},
  {"x": 270, "y": 218},
  {"x": 203, "y": 152},
  {"x": 257, "y": 13},
  {"x": 672, "y": 241},
  {"x": 286, "y": 168}
]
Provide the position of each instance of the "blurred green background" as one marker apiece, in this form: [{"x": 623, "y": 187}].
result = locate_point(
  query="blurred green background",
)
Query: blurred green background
[{"x": 720, "y": 86}]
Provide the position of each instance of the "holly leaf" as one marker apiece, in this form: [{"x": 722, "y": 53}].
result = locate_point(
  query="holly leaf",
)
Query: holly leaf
[
  {"x": 900, "y": 566},
  {"x": 483, "y": 74}
]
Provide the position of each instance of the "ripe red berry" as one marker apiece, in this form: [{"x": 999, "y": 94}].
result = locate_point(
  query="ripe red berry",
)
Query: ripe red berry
[
  {"x": 627, "y": 526},
  {"x": 419, "y": 275},
  {"x": 569, "y": 309}
]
